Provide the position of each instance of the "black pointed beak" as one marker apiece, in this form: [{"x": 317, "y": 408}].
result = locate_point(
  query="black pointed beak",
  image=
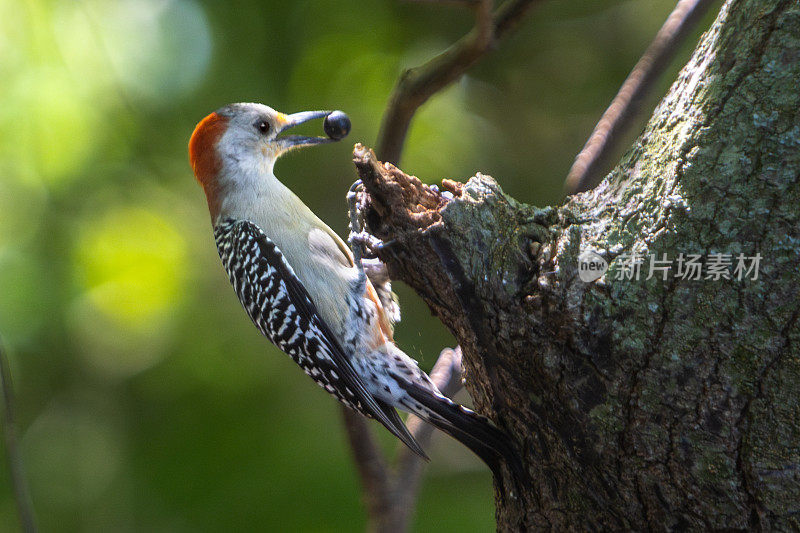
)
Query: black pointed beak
[{"x": 288, "y": 142}]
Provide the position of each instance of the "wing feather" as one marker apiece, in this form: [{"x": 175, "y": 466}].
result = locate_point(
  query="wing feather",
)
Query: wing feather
[{"x": 281, "y": 308}]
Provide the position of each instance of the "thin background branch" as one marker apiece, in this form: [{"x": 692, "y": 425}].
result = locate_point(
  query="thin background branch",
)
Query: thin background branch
[
  {"x": 390, "y": 494},
  {"x": 446, "y": 373},
  {"x": 416, "y": 85},
  {"x": 595, "y": 159},
  {"x": 19, "y": 484}
]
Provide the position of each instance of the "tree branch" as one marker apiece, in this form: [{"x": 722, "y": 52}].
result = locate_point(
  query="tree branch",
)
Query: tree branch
[
  {"x": 446, "y": 374},
  {"x": 19, "y": 484},
  {"x": 595, "y": 159},
  {"x": 418, "y": 84},
  {"x": 376, "y": 478},
  {"x": 461, "y": 3},
  {"x": 390, "y": 493},
  {"x": 638, "y": 402}
]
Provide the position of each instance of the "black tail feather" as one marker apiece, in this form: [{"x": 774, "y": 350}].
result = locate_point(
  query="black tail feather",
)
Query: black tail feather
[
  {"x": 401, "y": 431},
  {"x": 490, "y": 444}
]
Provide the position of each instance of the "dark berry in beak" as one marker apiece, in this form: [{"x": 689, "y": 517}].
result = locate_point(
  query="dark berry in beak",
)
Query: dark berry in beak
[{"x": 336, "y": 125}]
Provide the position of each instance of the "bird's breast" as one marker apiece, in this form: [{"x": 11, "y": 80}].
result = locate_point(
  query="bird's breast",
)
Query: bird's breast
[{"x": 318, "y": 257}]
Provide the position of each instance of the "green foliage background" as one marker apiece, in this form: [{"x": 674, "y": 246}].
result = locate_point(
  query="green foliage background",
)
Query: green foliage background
[{"x": 146, "y": 399}]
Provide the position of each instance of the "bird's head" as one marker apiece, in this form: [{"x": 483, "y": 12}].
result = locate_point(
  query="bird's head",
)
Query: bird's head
[{"x": 243, "y": 140}]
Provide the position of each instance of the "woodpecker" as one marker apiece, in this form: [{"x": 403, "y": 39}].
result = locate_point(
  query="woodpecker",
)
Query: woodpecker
[{"x": 310, "y": 294}]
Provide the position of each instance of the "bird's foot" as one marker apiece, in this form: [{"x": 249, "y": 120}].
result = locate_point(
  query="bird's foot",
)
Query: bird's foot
[
  {"x": 368, "y": 244},
  {"x": 355, "y": 208},
  {"x": 362, "y": 243},
  {"x": 359, "y": 239}
]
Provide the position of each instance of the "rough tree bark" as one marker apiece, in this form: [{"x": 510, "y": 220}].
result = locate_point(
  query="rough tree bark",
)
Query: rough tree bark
[{"x": 636, "y": 403}]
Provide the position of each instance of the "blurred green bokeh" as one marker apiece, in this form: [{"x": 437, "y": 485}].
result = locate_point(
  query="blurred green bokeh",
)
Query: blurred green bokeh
[{"x": 146, "y": 399}]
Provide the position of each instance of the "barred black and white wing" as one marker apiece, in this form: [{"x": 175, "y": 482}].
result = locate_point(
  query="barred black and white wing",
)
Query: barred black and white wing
[{"x": 281, "y": 308}]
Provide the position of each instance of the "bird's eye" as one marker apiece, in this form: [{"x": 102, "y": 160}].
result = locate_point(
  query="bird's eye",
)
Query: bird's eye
[{"x": 263, "y": 126}]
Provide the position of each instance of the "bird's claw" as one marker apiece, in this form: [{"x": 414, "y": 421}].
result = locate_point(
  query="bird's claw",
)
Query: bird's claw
[
  {"x": 362, "y": 243},
  {"x": 355, "y": 211},
  {"x": 355, "y": 187},
  {"x": 368, "y": 244},
  {"x": 358, "y": 238}
]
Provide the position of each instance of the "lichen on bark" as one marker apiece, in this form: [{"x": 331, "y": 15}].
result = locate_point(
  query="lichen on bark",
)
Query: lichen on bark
[{"x": 637, "y": 403}]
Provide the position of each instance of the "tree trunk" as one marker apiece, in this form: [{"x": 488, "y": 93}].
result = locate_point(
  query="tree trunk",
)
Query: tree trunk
[{"x": 660, "y": 403}]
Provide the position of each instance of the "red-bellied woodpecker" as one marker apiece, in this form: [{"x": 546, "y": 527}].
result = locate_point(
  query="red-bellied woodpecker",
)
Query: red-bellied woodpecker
[{"x": 306, "y": 291}]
